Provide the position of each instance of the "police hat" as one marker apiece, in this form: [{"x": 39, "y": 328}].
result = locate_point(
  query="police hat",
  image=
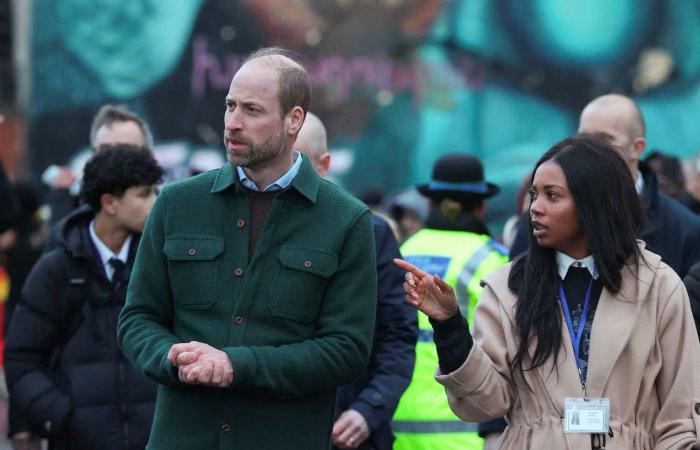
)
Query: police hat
[{"x": 460, "y": 177}]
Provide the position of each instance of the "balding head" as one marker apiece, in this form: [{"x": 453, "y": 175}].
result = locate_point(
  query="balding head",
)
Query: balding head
[
  {"x": 313, "y": 142},
  {"x": 264, "y": 113},
  {"x": 620, "y": 118},
  {"x": 294, "y": 82}
]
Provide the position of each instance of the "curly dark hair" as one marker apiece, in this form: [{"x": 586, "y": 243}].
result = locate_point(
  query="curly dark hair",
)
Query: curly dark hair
[{"x": 116, "y": 168}]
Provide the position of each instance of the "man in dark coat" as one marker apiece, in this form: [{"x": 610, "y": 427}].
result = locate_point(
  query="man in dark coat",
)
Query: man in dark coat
[
  {"x": 364, "y": 408},
  {"x": 67, "y": 378},
  {"x": 254, "y": 290}
]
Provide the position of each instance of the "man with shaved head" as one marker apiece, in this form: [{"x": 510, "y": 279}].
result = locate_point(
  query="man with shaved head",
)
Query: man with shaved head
[
  {"x": 671, "y": 230},
  {"x": 365, "y": 406},
  {"x": 619, "y": 118},
  {"x": 313, "y": 142},
  {"x": 253, "y": 294}
]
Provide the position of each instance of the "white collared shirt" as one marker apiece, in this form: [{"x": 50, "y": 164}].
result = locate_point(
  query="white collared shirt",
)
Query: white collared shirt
[
  {"x": 283, "y": 181},
  {"x": 106, "y": 254},
  {"x": 565, "y": 261},
  {"x": 639, "y": 183}
]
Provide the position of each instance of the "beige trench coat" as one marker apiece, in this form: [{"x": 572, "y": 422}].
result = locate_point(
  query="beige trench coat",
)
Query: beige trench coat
[{"x": 644, "y": 356}]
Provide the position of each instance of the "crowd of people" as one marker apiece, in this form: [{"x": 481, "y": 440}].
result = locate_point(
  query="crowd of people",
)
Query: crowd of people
[{"x": 261, "y": 306}]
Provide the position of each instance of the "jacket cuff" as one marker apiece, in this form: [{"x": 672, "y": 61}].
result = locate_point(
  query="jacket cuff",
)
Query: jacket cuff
[
  {"x": 492, "y": 426},
  {"x": 444, "y": 329},
  {"x": 57, "y": 422},
  {"x": 453, "y": 342},
  {"x": 169, "y": 373},
  {"x": 243, "y": 364},
  {"x": 17, "y": 423},
  {"x": 467, "y": 378},
  {"x": 375, "y": 413}
]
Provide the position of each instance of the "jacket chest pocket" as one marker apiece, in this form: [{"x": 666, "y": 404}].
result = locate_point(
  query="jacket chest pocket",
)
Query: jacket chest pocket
[
  {"x": 301, "y": 282},
  {"x": 193, "y": 269}
]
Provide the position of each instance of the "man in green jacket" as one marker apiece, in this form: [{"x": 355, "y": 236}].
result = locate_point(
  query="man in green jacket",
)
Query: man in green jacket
[{"x": 253, "y": 293}]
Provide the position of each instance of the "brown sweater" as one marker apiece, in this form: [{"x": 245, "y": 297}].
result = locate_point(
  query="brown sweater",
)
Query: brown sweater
[{"x": 260, "y": 204}]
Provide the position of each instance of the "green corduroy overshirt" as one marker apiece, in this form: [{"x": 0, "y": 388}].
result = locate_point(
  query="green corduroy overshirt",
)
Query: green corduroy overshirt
[{"x": 296, "y": 319}]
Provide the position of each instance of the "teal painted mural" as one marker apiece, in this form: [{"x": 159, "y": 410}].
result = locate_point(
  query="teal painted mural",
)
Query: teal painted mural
[{"x": 398, "y": 83}]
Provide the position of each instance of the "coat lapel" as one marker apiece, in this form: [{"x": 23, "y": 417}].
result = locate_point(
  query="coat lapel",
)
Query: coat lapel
[
  {"x": 615, "y": 320},
  {"x": 613, "y": 324}
]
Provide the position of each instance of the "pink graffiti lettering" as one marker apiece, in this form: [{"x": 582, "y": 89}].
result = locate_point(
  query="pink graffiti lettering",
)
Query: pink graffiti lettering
[{"x": 339, "y": 76}]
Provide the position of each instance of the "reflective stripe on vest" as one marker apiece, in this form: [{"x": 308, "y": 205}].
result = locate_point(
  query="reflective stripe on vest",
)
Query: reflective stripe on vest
[
  {"x": 425, "y": 335},
  {"x": 425, "y": 427},
  {"x": 470, "y": 268}
]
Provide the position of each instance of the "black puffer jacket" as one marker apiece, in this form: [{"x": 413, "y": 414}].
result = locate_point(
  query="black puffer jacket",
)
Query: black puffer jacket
[{"x": 65, "y": 372}]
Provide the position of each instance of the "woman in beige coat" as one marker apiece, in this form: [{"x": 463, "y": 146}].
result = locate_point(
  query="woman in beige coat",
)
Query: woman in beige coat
[{"x": 587, "y": 314}]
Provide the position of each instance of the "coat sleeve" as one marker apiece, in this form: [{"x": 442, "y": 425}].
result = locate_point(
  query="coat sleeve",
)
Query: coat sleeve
[
  {"x": 340, "y": 349},
  {"x": 146, "y": 319},
  {"x": 393, "y": 357},
  {"x": 678, "y": 383},
  {"x": 34, "y": 334},
  {"x": 480, "y": 390},
  {"x": 690, "y": 250},
  {"x": 692, "y": 284}
]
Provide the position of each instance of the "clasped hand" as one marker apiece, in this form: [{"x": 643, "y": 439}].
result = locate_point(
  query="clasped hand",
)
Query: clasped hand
[
  {"x": 428, "y": 293},
  {"x": 199, "y": 363}
]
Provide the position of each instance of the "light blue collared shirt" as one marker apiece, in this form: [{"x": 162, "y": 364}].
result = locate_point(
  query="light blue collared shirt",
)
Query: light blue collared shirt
[
  {"x": 283, "y": 181},
  {"x": 106, "y": 254},
  {"x": 639, "y": 183},
  {"x": 565, "y": 261}
]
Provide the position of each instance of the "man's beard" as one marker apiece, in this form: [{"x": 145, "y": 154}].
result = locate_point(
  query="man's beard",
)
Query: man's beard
[{"x": 256, "y": 154}]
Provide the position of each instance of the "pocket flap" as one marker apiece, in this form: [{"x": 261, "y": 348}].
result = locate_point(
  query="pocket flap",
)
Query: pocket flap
[
  {"x": 193, "y": 248},
  {"x": 313, "y": 261}
]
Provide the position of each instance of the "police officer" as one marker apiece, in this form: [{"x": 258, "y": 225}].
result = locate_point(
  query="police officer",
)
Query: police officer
[{"x": 457, "y": 246}]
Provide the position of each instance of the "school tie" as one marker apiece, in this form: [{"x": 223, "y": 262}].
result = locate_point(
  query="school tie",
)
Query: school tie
[{"x": 118, "y": 266}]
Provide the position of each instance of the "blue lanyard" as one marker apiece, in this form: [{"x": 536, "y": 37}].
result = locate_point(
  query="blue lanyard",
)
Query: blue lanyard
[{"x": 576, "y": 336}]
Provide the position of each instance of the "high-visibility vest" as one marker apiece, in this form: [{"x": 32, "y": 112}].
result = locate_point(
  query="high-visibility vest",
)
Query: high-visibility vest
[{"x": 423, "y": 419}]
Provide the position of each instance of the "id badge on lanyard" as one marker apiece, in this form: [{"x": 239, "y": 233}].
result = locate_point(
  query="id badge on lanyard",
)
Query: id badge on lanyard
[
  {"x": 583, "y": 414},
  {"x": 586, "y": 415}
]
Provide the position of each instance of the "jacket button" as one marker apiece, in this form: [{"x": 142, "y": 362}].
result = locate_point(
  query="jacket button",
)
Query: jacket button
[
  {"x": 192, "y": 252},
  {"x": 238, "y": 320},
  {"x": 236, "y": 188},
  {"x": 225, "y": 428},
  {"x": 240, "y": 223},
  {"x": 697, "y": 409},
  {"x": 238, "y": 272},
  {"x": 307, "y": 263}
]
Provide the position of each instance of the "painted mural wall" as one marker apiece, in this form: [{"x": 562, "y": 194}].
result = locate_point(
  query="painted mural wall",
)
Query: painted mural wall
[{"x": 397, "y": 82}]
